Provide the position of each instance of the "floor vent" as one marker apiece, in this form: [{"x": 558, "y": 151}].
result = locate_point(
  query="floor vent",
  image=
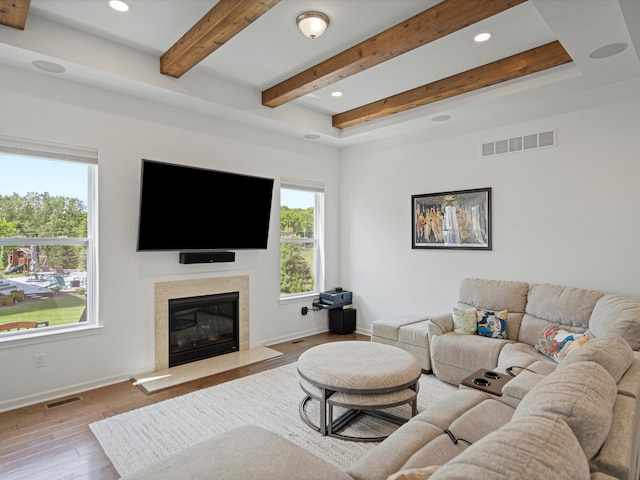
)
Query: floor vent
[
  {"x": 63, "y": 402},
  {"x": 520, "y": 144}
]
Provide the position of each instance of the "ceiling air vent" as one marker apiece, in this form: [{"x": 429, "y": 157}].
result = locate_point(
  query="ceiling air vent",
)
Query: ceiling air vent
[{"x": 519, "y": 144}]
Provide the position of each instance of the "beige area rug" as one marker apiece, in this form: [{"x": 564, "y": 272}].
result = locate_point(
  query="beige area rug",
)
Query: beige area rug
[{"x": 269, "y": 399}]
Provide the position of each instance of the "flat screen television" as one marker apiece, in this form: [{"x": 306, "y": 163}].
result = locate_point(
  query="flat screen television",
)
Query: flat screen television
[{"x": 198, "y": 209}]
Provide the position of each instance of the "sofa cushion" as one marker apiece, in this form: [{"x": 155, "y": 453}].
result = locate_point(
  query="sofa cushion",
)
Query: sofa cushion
[
  {"x": 609, "y": 350},
  {"x": 583, "y": 394},
  {"x": 556, "y": 342},
  {"x": 455, "y": 356},
  {"x": 496, "y": 295},
  {"x": 246, "y": 452},
  {"x": 617, "y": 314},
  {"x": 618, "y": 454},
  {"x": 414, "y": 473},
  {"x": 389, "y": 327},
  {"x": 492, "y": 323},
  {"x": 569, "y": 308},
  {"x": 469, "y": 428},
  {"x": 464, "y": 320},
  {"x": 531, "y": 447},
  {"x": 523, "y": 355}
]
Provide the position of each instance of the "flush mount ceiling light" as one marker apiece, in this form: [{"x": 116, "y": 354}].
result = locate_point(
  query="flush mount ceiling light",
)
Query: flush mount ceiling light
[
  {"x": 312, "y": 24},
  {"x": 482, "y": 37},
  {"x": 118, "y": 5}
]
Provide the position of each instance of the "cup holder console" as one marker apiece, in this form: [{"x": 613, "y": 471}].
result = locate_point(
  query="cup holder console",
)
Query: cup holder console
[
  {"x": 481, "y": 382},
  {"x": 487, "y": 381}
]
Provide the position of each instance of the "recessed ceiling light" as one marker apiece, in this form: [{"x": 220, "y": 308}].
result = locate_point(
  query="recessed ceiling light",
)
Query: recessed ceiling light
[
  {"x": 482, "y": 37},
  {"x": 119, "y": 5},
  {"x": 336, "y": 94},
  {"x": 441, "y": 118},
  {"x": 312, "y": 136},
  {"x": 48, "y": 66},
  {"x": 608, "y": 50}
]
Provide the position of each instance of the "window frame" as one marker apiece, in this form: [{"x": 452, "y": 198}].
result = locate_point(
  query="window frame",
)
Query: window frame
[
  {"x": 61, "y": 153},
  {"x": 318, "y": 231}
]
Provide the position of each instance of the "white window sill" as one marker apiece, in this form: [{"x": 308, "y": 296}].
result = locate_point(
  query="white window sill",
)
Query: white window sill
[
  {"x": 300, "y": 298},
  {"x": 26, "y": 337}
]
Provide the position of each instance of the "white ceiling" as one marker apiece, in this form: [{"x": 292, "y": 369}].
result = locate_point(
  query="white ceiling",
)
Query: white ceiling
[{"x": 120, "y": 52}]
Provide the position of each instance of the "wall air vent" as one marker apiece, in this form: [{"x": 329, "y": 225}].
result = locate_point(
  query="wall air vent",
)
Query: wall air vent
[{"x": 519, "y": 144}]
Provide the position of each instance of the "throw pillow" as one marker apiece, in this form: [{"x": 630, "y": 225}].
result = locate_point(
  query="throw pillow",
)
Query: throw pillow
[
  {"x": 491, "y": 324},
  {"x": 464, "y": 321},
  {"x": 556, "y": 342}
]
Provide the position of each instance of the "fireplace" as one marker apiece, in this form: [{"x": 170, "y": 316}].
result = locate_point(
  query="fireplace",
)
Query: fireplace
[{"x": 203, "y": 327}]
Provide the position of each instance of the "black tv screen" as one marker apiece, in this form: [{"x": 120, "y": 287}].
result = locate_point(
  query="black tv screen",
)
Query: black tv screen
[{"x": 190, "y": 208}]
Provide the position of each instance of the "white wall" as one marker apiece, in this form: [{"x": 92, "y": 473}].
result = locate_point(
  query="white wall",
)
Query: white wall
[
  {"x": 566, "y": 215},
  {"x": 124, "y": 130}
]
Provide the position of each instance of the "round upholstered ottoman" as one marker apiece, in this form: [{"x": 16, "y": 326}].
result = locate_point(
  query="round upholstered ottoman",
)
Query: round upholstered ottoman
[{"x": 363, "y": 377}]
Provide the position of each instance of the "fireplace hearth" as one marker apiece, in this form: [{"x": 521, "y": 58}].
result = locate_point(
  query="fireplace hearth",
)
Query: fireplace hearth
[{"x": 203, "y": 327}]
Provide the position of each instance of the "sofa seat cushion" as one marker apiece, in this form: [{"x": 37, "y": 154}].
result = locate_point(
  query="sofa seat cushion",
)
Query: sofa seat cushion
[
  {"x": 469, "y": 428},
  {"x": 617, "y": 314},
  {"x": 515, "y": 390},
  {"x": 415, "y": 473},
  {"x": 455, "y": 356},
  {"x": 583, "y": 394},
  {"x": 245, "y": 452},
  {"x": 392, "y": 454},
  {"x": 390, "y": 327},
  {"x": 609, "y": 350},
  {"x": 619, "y": 450},
  {"x": 422, "y": 442},
  {"x": 522, "y": 355},
  {"x": 414, "y": 334},
  {"x": 629, "y": 384},
  {"x": 531, "y": 447}
]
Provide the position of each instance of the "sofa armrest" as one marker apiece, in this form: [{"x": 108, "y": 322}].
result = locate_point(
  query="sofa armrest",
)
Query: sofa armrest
[{"x": 440, "y": 324}]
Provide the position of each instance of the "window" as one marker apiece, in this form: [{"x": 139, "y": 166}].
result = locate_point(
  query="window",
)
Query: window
[
  {"x": 301, "y": 245},
  {"x": 47, "y": 248}
]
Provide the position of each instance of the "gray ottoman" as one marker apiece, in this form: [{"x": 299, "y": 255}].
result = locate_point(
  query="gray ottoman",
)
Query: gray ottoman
[
  {"x": 362, "y": 377},
  {"x": 408, "y": 332}
]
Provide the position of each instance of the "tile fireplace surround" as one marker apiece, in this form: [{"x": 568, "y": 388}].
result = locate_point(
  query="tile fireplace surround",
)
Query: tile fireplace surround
[{"x": 164, "y": 291}]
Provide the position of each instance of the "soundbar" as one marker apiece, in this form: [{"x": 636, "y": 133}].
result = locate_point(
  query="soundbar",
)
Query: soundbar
[{"x": 207, "y": 257}]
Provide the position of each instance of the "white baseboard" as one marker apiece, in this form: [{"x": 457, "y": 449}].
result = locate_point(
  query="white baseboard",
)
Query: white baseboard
[{"x": 60, "y": 393}]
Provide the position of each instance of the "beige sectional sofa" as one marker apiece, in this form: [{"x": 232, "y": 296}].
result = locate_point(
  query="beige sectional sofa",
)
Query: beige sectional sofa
[{"x": 574, "y": 417}]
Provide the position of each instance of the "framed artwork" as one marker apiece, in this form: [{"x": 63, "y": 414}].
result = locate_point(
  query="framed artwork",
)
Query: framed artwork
[{"x": 456, "y": 220}]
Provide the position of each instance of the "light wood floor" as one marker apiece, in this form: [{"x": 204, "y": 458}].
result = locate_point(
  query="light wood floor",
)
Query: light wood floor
[{"x": 37, "y": 443}]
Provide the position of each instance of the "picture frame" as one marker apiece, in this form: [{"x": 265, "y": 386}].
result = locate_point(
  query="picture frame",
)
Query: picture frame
[{"x": 452, "y": 220}]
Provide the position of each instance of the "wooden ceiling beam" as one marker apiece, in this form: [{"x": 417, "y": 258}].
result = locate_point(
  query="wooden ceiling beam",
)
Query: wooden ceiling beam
[
  {"x": 438, "y": 21},
  {"x": 225, "y": 20},
  {"x": 515, "y": 66},
  {"x": 13, "y": 13}
]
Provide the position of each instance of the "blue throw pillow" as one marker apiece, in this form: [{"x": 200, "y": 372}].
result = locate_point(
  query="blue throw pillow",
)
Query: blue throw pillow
[{"x": 491, "y": 324}]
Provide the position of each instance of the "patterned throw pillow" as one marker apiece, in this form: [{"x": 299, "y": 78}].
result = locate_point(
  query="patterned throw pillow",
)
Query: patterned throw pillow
[
  {"x": 491, "y": 324},
  {"x": 464, "y": 321},
  {"x": 555, "y": 342}
]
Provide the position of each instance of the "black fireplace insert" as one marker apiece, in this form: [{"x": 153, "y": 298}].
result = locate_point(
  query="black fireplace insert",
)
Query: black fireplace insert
[{"x": 203, "y": 327}]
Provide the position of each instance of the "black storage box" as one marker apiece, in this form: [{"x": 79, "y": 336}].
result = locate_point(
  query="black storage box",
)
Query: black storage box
[
  {"x": 336, "y": 297},
  {"x": 342, "y": 320}
]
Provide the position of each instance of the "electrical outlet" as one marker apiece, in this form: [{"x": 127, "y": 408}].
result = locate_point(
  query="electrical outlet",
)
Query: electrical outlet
[
  {"x": 38, "y": 360},
  {"x": 305, "y": 310}
]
